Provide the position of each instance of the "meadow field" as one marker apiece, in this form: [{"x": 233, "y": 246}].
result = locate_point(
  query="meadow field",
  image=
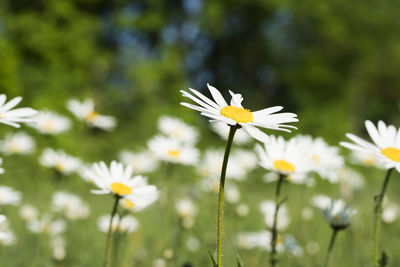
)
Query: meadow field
[{"x": 102, "y": 82}]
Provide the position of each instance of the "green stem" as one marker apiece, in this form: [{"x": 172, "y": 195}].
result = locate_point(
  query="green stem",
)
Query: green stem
[
  {"x": 108, "y": 238},
  {"x": 221, "y": 192},
  {"x": 378, "y": 212},
  {"x": 273, "y": 259},
  {"x": 331, "y": 243}
]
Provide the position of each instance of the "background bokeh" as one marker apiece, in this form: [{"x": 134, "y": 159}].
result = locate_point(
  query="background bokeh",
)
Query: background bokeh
[{"x": 335, "y": 64}]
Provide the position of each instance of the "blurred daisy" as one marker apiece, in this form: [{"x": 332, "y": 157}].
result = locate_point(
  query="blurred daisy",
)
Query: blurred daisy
[
  {"x": 222, "y": 129},
  {"x": 325, "y": 159},
  {"x": 119, "y": 181},
  {"x": 336, "y": 212},
  {"x": 59, "y": 160},
  {"x": 28, "y": 212},
  {"x": 8, "y": 196},
  {"x": 48, "y": 122},
  {"x": 232, "y": 194},
  {"x": 386, "y": 143},
  {"x": 290, "y": 158},
  {"x": 235, "y": 114},
  {"x": 267, "y": 208},
  {"x": 11, "y": 116},
  {"x": 186, "y": 210},
  {"x": 211, "y": 165},
  {"x": 17, "y": 143},
  {"x": 390, "y": 213},
  {"x": 7, "y": 237},
  {"x": 176, "y": 128},
  {"x": 71, "y": 205},
  {"x": 170, "y": 150},
  {"x": 126, "y": 224},
  {"x": 260, "y": 240},
  {"x": 350, "y": 182},
  {"x": 141, "y": 162},
  {"x": 242, "y": 210},
  {"x": 1, "y": 169},
  {"x": 246, "y": 160},
  {"x": 193, "y": 244},
  {"x": 58, "y": 246},
  {"x": 85, "y": 111},
  {"x": 366, "y": 158},
  {"x": 292, "y": 246},
  {"x": 46, "y": 225}
]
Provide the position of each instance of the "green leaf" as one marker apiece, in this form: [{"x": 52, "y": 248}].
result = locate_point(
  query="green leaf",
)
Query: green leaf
[
  {"x": 239, "y": 261},
  {"x": 212, "y": 259}
]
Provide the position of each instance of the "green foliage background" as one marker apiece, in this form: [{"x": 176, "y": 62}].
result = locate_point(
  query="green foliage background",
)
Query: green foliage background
[{"x": 334, "y": 63}]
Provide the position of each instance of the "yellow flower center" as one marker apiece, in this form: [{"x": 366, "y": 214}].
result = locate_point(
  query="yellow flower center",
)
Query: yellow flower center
[
  {"x": 91, "y": 116},
  {"x": 283, "y": 166},
  {"x": 120, "y": 189},
  {"x": 48, "y": 126},
  {"x": 174, "y": 153},
  {"x": 316, "y": 159},
  {"x": 369, "y": 162},
  {"x": 392, "y": 153},
  {"x": 128, "y": 204},
  {"x": 59, "y": 167},
  {"x": 239, "y": 115}
]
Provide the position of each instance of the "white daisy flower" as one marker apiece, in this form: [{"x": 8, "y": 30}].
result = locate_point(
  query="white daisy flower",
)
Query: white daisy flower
[
  {"x": 185, "y": 208},
  {"x": 71, "y": 205},
  {"x": 242, "y": 210},
  {"x": 8, "y": 196},
  {"x": 325, "y": 158},
  {"x": 350, "y": 182},
  {"x": 232, "y": 194},
  {"x": 336, "y": 212},
  {"x": 211, "y": 165},
  {"x": 287, "y": 157},
  {"x": 28, "y": 212},
  {"x": 386, "y": 143},
  {"x": 390, "y": 213},
  {"x": 170, "y": 150},
  {"x": 369, "y": 159},
  {"x": 292, "y": 246},
  {"x": 11, "y": 116},
  {"x": 267, "y": 208},
  {"x": 141, "y": 162},
  {"x": 118, "y": 180},
  {"x": 46, "y": 225},
  {"x": 48, "y": 122},
  {"x": 85, "y": 111},
  {"x": 222, "y": 129},
  {"x": 58, "y": 245},
  {"x": 235, "y": 114},
  {"x": 125, "y": 224},
  {"x": 244, "y": 159},
  {"x": 260, "y": 240},
  {"x": 7, "y": 237},
  {"x": 176, "y": 128},
  {"x": 59, "y": 160},
  {"x": 17, "y": 143}
]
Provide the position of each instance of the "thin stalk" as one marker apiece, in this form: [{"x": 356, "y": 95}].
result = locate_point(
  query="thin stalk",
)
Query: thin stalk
[
  {"x": 378, "y": 212},
  {"x": 108, "y": 238},
  {"x": 273, "y": 260},
  {"x": 331, "y": 243},
  {"x": 221, "y": 193}
]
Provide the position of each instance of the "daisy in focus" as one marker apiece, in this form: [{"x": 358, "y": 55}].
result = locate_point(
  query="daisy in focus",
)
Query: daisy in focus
[
  {"x": 176, "y": 128},
  {"x": 11, "y": 116},
  {"x": 171, "y": 150},
  {"x": 290, "y": 158},
  {"x": 60, "y": 161},
  {"x": 236, "y": 114},
  {"x": 85, "y": 111},
  {"x": 48, "y": 122},
  {"x": 337, "y": 212},
  {"x": 386, "y": 144},
  {"x": 141, "y": 162},
  {"x": 119, "y": 181},
  {"x": 17, "y": 143}
]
